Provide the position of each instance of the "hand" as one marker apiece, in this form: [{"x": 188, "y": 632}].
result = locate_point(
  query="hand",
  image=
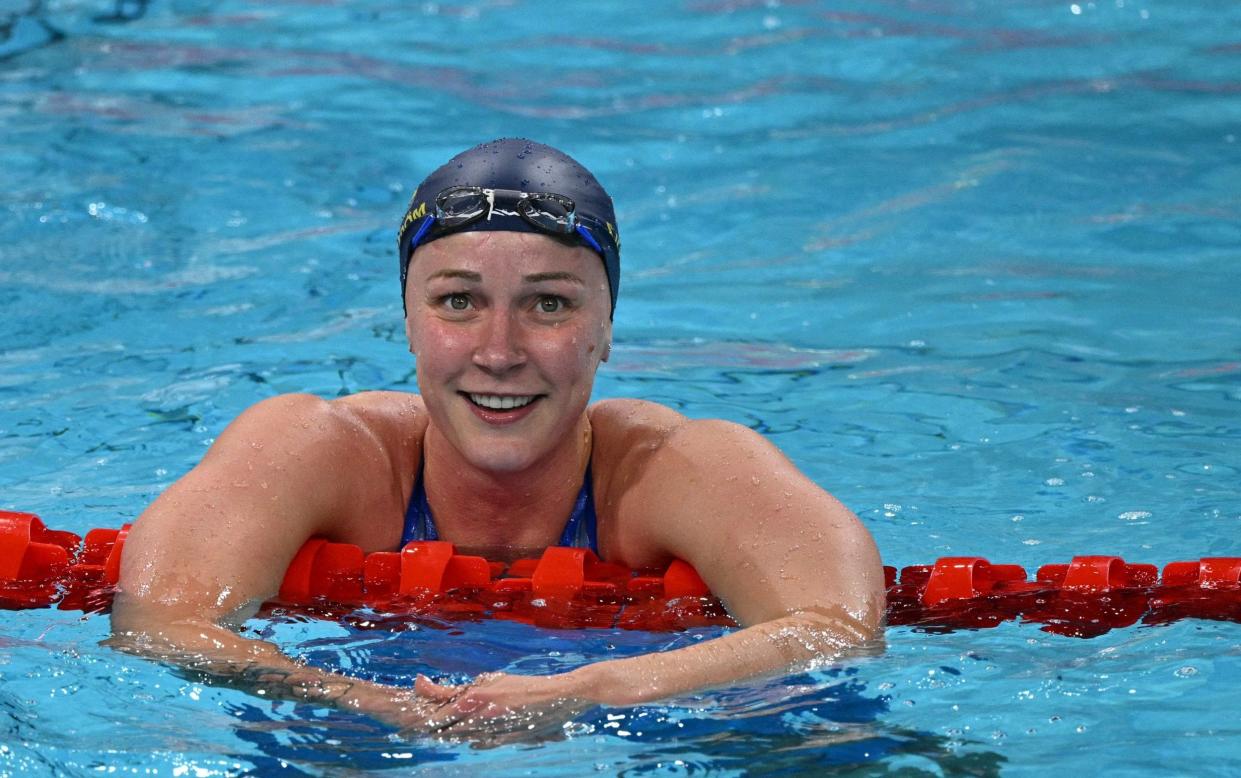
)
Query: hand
[
  {"x": 502, "y": 706},
  {"x": 398, "y": 707}
]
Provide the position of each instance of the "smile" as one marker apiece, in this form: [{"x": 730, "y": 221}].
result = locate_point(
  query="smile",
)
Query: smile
[{"x": 497, "y": 402}]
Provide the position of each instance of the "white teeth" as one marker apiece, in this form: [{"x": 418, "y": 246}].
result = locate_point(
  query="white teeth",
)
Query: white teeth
[{"x": 498, "y": 403}]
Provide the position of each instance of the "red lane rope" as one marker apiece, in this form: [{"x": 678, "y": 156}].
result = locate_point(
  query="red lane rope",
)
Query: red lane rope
[{"x": 571, "y": 588}]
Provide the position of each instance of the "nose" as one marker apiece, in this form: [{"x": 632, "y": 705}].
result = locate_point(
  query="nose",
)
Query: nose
[{"x": 500, "y": 347}]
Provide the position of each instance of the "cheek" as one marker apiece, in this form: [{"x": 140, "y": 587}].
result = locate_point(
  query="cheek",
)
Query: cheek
[
  {"x": 572, "y": 354},
  {"x": 438, "y": 348}
]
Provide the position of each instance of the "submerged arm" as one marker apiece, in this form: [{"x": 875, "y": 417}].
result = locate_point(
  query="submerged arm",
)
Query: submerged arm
[
  {"x": 220, "y": 656},
  {"x": 794, "y": 567},
  {"x": 217, "y": 542}
]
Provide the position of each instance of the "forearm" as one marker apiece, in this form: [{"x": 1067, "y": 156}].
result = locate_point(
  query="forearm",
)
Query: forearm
[
  {"x": 223, "y": 657},
  {"x": 781, "y": 645}
]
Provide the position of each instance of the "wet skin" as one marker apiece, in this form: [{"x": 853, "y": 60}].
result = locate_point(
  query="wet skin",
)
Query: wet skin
[{"x": 498, "y": 319}]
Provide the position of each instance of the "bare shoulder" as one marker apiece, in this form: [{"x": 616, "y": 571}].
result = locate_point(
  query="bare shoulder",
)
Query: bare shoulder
[
  {"x": 288, "y": 468},
  {"x": 640, "y": 434},
  {"x": 402, "y": 406},
  {"x": 399, "y": 418},
  {"x": 373, "y": 409},
  {"x": 658, "y": 473},
  {"x": 620, "y": 425},
  {"x": 307, "y": 426},
  {"x": 725, "y": 499}
]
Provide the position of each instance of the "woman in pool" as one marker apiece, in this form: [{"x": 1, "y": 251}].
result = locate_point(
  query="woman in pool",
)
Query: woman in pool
[{"x": 509, "y": 313}]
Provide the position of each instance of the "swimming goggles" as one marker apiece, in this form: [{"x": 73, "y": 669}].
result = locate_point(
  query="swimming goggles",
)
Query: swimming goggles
[{"x": 457, "y": 207}]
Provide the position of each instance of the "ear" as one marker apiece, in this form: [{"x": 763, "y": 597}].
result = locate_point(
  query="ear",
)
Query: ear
[
  {"x": 607, "y": 341},
  {"x": 411, "y": 335}
]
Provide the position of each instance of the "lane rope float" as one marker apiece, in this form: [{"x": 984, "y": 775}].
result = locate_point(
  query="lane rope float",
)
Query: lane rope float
[{"x": 571, "y": 588}]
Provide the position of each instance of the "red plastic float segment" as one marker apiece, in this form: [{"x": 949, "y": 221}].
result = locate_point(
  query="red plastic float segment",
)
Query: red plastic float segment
[
  {"x": 29, "y": 551},
  {"x": 434, "y": 566},
  {"x": 645, "y": 585},
  {"x": 321, "y": 569},
  {"x": 1098, "y": 574},
  {"x": 961, "y": 578},
  {"x": 1207, "y": 588},
  {"x": 1072, "y": 607},
  {"x": 338, "y": 573},
  {"x": 85, "y": 587},
  {"x": 561, "y": 572},
  {"x": 112, "y": 565},
  {"x": 97, "y": 546},
  {"x": 1207, "y": 573},
  {"x": 296, "y": 582},
  {"x": 381, "y": 575},
  {"x": 682, "y": 580},
  {"x": 570, "y": 572}
]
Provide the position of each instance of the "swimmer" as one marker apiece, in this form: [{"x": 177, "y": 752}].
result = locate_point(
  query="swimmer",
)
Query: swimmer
[{"x": 510, "y": 269}]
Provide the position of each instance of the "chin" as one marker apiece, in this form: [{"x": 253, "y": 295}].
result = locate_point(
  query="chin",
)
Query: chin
[{"x": 501, "y": 458}]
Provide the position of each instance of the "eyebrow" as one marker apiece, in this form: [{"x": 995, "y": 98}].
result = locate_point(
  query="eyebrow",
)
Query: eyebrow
[
  {"x": 532, "y": 278},
  {"x": 468, "y": 275},
  {"x": 559, "y": 275}
]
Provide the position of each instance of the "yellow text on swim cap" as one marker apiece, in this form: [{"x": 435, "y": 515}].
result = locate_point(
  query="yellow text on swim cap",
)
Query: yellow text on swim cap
[{"x": 413, "y": 216}]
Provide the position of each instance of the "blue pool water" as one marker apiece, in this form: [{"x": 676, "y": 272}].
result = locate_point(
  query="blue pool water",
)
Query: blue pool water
[{"x": 973, "y": 266}]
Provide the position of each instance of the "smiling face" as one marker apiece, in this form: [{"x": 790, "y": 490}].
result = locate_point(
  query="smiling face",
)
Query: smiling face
[{"x": 509, "y": 329}]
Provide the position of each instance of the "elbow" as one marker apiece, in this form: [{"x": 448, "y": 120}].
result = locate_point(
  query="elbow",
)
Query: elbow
[
  {"x": 825, "y": 633},
  {"x": 146, "y": 629},
  {"x": 137, "y": 631}
]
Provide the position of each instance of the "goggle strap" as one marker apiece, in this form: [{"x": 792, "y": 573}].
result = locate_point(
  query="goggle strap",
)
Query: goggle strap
[
  {"x": 415, "y": 241},
  {"x": 590, "y": 239}
]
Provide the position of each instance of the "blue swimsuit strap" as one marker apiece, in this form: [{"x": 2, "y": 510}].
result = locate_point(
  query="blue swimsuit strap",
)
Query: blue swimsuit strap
[{"x": 579, "y": 532}]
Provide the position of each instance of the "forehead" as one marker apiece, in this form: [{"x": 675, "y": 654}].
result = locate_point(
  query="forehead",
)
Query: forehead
[{"x": 499, "y": 255}]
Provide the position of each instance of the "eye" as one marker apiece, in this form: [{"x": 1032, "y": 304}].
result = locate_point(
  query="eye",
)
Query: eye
[
  {"x": 457, "y": 302},
  {"x": 551, "y": 304}
]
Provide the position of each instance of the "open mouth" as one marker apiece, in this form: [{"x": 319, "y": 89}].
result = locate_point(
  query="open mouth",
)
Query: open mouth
[{"x": 501, "y": 402}]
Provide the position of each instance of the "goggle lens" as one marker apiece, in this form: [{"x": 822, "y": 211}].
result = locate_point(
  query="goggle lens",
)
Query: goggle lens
[
  {"x": 459, "y": 206},
  {"x": 549, "y": 212}
]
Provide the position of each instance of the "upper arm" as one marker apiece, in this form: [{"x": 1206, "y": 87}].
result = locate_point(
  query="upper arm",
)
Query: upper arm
[
  {"x": 222, "y": 536},
  {"x": 766, "y": 539}
]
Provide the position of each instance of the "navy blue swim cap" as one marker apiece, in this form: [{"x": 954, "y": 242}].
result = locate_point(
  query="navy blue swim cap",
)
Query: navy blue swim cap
[{"x": 517, "y": 166}]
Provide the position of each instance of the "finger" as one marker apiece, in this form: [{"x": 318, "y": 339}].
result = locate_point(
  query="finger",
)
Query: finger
[
  {"x": 458, "y": 708},
  {"x": 428, "y": 689},
  {"x": 506, "y": 728}
]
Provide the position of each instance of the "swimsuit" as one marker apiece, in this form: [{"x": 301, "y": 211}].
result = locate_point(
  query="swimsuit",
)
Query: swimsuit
[{"x": 579, "y": 532}]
